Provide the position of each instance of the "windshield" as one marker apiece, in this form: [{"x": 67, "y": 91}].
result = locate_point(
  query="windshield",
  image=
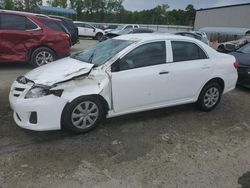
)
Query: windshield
[
  {"x": 102, "y": 52},
  {"x": 112, "y": 27},
  {"x": 120, "y": 27},
  {"x": 245, "y": 49},
  {"x": 125, "y": 31}
]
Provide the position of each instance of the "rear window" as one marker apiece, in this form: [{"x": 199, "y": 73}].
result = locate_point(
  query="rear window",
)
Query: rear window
[
  {"x": 52, "y": 24},
  {"x": 16, "y": 22}
]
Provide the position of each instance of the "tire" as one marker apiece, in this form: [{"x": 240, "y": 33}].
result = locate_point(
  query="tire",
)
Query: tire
[
  {"x": 75, "y": 117},
  {"x": 98, "y": 36},
  {"x": 42, "y": 56},
  {"x": 209, "y": 97}
]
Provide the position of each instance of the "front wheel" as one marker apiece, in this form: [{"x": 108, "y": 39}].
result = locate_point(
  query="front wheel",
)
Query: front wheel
[
  {"x": 82, "y": 114},
  {"x": 98, "y": 36},
  {"x": 209, "y": 97}
]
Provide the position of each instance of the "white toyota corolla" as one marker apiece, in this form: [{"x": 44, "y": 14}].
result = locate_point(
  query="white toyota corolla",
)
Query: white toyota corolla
[{"x": 127, "y": 74}]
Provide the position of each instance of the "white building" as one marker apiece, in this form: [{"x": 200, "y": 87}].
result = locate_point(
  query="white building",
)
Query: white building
[{"x": 226, "y": 16}]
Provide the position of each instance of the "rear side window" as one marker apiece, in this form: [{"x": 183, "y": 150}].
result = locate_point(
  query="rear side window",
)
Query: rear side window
[
  {"x": 186, "y": 51},
  {"x": 16, "y": 22},
  {"x": 52, "y": 24}
]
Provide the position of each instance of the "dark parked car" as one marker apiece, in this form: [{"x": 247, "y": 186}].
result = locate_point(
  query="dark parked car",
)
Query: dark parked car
[
  {"x": 242, "y": 55},
  {"x": 70, "y": 27},
  {"x": 126, "y": 31},
  {"x": 32, "y": 38}
]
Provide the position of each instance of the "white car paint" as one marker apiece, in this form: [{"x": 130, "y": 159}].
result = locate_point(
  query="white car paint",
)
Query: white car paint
[
  {"x": 125, "y": 92},
  {"x": 87, "y": 30},
  {"x": 122, "y": 27}
]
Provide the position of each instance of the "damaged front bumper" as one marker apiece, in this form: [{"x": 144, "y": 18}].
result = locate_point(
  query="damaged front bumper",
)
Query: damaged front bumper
[{"x": 39, "y": 114}]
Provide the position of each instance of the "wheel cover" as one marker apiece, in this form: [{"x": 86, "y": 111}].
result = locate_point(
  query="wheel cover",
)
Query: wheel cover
[
  {"x": 211, "y": 97},
  {"x": 43, "y": 58},
  {"x": 85, "y": 114}
]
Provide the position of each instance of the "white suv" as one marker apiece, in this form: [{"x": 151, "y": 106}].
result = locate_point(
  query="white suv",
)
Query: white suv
[{"x": 87, "y": 30}]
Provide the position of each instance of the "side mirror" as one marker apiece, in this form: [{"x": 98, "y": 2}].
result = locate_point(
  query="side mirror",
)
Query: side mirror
[
  {"x": 94, "y": 30},
  {"x": 115, "y": 67}
]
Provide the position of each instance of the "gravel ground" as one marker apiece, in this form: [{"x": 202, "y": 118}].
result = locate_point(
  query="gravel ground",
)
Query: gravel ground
[{"x": 172, "y": 147}]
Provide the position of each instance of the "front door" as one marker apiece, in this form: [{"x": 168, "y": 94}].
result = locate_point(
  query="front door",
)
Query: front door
[{"x": 139, "y": 78}]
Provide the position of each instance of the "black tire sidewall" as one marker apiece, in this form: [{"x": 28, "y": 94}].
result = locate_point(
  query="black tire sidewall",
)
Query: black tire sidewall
[
  {"x": 200, "y": 101},
  {"x": 38, "y": 50},
  {"x": 98, "y": 36},
  {"x": 66, "y": 115}
]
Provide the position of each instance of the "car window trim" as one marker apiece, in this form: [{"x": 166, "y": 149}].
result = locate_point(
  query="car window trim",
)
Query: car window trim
[{"x": 37, "y": 26}]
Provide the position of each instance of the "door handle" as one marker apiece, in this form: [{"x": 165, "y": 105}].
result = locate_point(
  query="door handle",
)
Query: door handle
[{"x": 163, "y": 72}]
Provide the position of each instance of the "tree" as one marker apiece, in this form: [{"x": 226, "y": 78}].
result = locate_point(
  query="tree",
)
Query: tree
[
  {"x": 9, "y": 4},
  {"x": 19, "y": 5},
  {"x": 190, "y": 11},
  {"x": 31, "y": 5}
]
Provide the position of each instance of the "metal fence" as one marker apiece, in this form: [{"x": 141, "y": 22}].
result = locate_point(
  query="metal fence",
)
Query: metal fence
[{"x": 157, "y": 28}]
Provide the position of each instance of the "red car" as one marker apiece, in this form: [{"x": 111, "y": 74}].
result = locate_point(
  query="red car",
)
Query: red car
[{"x": 27, "y": 37}]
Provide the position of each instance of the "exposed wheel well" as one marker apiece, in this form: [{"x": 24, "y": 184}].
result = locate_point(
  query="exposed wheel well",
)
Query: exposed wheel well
[
  {"x": 104, "y": 102},
  {"x": 100, "y": 98},
  {"x": 36, "y": 47},
  {"x": 218, "y": 80},
  {"x": 99, "y": 33}
]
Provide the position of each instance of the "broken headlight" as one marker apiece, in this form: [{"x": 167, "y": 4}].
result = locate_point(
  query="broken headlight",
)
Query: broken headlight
[{"x": 40, "y": 91}]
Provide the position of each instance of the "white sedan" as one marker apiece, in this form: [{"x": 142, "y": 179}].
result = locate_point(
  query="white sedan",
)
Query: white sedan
[
  {"x": 127, "y": 74},
  {"x": 87, "y": 30}
]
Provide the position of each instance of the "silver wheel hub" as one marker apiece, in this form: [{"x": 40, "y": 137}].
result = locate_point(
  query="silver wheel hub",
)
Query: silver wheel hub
[
  {"x": 85, "y": 115},
  {"x": 211, "y": 97},
  {"x": 44, "y": 57}
]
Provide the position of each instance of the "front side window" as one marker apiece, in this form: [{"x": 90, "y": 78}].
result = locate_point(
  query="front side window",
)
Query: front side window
[
  {"x": 89, "y": 26},
  {"x": 186, "y": 51},
  {"x": 79, "y": 24},
  {"x": 145, "y": 55}
]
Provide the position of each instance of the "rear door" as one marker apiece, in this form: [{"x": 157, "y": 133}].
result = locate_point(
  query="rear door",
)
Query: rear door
[
  {"x": 18, "y": 34},
  {"x": 189, "y": 69}
]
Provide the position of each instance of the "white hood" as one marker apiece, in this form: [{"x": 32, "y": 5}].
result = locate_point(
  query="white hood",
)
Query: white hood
[{"x": 58, "y": 71}]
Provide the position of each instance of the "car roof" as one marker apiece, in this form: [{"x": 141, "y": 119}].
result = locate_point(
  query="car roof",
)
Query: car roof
[
  {"x": 23, "y": 13},
  {"x": 59, "y": 17},
  {"x": 28, "y": 14},
  {"x": 154, "y": 36}
]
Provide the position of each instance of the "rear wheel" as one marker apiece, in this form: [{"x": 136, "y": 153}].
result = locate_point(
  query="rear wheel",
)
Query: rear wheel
[
  {"x": 42, "y": 56},
  {"x": 210, "y": 96},
  {"x": 83, "y": 114},
  {"x": 98, "y": 36}
]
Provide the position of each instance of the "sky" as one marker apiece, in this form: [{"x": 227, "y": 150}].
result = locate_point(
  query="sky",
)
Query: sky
[{"x": 134, "y": 5}]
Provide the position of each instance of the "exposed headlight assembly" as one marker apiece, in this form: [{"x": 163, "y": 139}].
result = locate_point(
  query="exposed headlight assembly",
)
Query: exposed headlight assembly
[{"x": 41, "y": 91}]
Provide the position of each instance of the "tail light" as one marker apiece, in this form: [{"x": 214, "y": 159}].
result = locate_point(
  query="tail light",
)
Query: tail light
[
  {"x": 65, "y": 36},
  {"x": 236, "y": 64}
]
